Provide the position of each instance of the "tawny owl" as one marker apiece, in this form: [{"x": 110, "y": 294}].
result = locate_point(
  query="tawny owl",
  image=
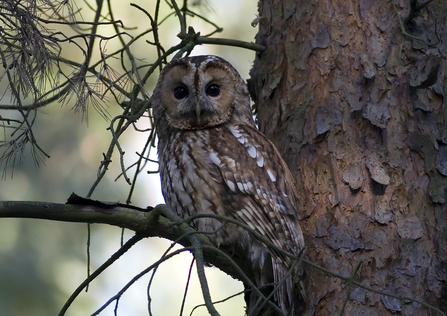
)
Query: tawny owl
[{"x": 213, "y": 160}]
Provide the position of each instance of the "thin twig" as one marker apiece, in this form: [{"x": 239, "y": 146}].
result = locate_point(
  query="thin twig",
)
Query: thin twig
[
  {"x": 228, "y": 42},
  {"x": 200, "y": 264},
  {"x": 187, "y": 286},
  {"x": 349, "y": 287},
  {"x": 404, "y": 31},
  {"x": 132, "y": 241},
  {"x": 149, "y": 300},
  {"x": 138, "y": 276}
]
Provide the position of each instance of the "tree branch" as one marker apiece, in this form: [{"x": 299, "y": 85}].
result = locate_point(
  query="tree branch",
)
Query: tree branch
[{"x": 150, "y": 223}]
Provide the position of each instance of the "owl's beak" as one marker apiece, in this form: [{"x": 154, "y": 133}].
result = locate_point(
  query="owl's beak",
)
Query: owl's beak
[{"x": 198, "y": 112}]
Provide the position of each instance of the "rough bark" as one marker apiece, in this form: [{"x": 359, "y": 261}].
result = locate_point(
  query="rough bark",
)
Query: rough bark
[{"x": 353, "y": 95}]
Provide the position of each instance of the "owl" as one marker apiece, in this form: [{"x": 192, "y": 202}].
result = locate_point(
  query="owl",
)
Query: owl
[{"x": 213, "y": 160}]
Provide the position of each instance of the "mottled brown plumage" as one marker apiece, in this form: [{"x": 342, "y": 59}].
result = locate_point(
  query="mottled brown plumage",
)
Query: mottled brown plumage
[{"x": 213, "y": 160}]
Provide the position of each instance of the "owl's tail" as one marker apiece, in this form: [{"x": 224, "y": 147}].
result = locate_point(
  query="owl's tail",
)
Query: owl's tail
[{"x": 290, "y": 294}]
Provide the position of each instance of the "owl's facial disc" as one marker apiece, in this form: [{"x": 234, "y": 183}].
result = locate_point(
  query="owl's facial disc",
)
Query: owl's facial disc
[{"x": 198, "y": 96}]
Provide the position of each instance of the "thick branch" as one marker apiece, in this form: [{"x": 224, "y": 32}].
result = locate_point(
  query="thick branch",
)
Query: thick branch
[{"x": 150, "y": 223}]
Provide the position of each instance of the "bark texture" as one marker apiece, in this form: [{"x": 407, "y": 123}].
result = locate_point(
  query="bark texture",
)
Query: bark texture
[{"x": 353, "y": 93}]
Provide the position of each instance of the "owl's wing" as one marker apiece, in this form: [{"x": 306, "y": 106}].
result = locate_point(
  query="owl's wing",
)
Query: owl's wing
[{"x": 260, "y": 187}]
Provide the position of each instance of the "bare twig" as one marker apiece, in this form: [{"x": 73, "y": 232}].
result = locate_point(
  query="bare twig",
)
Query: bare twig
[
  {"x": 349, "y": 287},
  {"x": 226, "y": 42},
  {"x": 200, "y": 263},
  {"x": 187, "y": 286},
  {"x": 131, "y": 242}
]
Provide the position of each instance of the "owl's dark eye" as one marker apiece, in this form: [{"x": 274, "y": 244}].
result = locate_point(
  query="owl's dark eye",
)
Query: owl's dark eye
[
  {"x": 181, "y": 92},
  {"x": 213, "y": 90}
]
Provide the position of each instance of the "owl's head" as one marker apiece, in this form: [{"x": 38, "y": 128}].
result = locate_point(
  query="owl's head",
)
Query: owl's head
[{"x": 200, "y": 92}]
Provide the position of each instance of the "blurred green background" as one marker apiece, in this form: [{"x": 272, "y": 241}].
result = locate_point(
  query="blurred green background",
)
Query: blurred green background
[{"x": 42, "y": 262}]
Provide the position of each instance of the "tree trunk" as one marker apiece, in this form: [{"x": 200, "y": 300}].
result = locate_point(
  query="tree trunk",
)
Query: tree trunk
[{"x": 352, "y": 94}]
